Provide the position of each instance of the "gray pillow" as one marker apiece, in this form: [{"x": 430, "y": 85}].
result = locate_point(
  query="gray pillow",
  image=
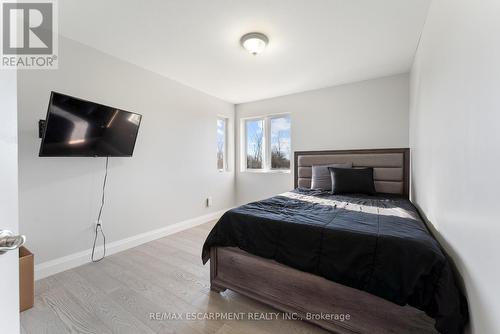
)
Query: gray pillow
[{"x": 321, "y": 178}]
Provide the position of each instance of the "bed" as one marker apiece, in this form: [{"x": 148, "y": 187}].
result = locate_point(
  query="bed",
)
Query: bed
[{"x": 348, "y": 263}]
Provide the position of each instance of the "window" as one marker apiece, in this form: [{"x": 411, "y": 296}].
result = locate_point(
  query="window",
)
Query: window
[
  {"x": 254, "y": 143},
  {"x": 280, "y": 142},
  {"x": 221, "y": 144},
  {"x": 267, "y": 143}
]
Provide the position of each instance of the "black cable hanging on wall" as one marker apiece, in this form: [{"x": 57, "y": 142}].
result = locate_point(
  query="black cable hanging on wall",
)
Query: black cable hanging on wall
[{"x": 98, "y": 226}]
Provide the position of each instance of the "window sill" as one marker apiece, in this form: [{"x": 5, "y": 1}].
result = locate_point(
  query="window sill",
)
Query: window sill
[{"x": 267, "y": 171}]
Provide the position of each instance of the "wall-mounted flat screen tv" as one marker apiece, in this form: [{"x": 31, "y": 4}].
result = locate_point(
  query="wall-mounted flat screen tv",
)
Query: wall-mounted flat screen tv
[{"x": 79, "y": 128}]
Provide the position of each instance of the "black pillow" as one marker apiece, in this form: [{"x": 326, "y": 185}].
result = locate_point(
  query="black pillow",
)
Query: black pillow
[{"x": 352, "y": 180}]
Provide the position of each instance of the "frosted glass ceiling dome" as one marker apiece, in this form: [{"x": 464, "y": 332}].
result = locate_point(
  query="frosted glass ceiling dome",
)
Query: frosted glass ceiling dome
[{"x": 254, "y": 42}]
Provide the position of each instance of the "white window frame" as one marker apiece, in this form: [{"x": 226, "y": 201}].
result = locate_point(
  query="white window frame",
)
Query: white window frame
[
  {"x": 225, "y": 164},
  {"x": 266, "y": 143}
]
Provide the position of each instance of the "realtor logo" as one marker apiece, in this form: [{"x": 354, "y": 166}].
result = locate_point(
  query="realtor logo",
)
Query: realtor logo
[{"x": 29, "y": 34}]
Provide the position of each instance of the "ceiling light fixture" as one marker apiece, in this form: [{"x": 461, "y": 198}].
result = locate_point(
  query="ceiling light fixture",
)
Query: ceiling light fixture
[{"x": 254, "y": 42}]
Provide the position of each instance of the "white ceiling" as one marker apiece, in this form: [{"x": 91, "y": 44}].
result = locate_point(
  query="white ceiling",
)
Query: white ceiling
[{"x": 313, "y": 43}]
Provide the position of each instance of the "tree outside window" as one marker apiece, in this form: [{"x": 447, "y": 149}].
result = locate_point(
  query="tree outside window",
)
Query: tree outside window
[
  {"x": 280, "y": 142},
  {"x": 254, "y": 144},
  {"x": 221, "y": 144}
]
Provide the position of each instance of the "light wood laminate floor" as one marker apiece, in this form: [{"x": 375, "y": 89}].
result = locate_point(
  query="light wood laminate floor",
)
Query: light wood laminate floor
[{"x": 118, "y": 295}]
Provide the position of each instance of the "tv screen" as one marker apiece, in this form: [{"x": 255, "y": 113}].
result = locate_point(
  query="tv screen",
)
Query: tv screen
[{"x": 79, "y": 128}]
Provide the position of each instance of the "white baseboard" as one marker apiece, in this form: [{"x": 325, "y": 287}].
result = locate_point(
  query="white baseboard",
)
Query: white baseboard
[{"x": 58, "y": 265}]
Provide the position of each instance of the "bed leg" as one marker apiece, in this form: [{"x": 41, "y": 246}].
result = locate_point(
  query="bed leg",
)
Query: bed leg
[
  {"x": 213, "y": 271},
  {"x": 216, "y": 288}
]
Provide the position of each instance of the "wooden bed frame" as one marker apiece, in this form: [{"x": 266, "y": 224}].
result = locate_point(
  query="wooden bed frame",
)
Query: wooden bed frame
[{"x": 333, "y": 306}]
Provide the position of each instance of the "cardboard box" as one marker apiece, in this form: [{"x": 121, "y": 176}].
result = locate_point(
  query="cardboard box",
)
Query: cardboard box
[{"x": 26, "y": 279}]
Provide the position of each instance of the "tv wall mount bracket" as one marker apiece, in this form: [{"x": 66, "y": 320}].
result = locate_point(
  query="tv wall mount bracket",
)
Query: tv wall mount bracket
[{"x": 41, "y": 127}]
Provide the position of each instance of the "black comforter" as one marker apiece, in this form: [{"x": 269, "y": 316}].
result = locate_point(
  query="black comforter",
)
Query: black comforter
[{"x": 378, "y": 244}]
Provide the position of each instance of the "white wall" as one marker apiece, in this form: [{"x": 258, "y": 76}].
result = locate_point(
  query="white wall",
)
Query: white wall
[
  {"x": 455, "y": 141},
  {"x": 367, "y": 114},
  {"x": 167, "y": 180}
]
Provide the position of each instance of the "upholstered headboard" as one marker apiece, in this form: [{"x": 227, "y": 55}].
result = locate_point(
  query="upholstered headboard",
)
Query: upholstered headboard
[{"x": 391, "y": 166}]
